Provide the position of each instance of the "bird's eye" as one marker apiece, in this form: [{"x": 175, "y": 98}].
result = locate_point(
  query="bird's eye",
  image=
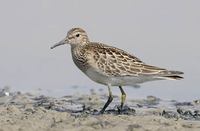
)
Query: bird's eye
[{"x": 77, "y": 35}]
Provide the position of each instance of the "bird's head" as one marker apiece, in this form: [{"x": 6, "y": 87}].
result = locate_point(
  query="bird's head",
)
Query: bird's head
[{"x": 75, "y": 36}]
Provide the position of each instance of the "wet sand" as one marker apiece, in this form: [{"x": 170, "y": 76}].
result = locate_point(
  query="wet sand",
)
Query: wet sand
[{"x": 28, "y": 112}]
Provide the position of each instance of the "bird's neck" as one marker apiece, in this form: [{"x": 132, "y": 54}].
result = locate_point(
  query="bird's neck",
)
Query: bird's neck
[
  {"x": 79, "y": 56},
  {"x": 78, "y": 46},
  {"x": 78, "y": 50}
]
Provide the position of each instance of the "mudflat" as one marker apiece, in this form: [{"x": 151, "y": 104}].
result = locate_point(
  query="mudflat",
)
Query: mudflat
[{"x": 28, "y": 112}]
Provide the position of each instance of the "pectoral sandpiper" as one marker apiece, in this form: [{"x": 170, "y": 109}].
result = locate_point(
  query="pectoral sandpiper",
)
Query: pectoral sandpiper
[{"x": 111, "y": 66}]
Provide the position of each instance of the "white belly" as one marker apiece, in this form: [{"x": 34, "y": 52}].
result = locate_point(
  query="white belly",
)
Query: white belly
[{"x": 116, "y": 81}]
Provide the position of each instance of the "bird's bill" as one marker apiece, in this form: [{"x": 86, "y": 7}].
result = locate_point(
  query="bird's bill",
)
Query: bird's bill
[{"x": 62, "y": 42}]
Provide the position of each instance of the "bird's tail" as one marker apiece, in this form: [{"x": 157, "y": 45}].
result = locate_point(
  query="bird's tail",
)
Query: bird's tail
[{"x": 172, "y": 75}]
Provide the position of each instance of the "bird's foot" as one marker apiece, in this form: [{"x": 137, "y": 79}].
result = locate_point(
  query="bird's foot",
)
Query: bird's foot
[
  {"x": 125, "y": 110},
  {"x": 95, "y": 112}
]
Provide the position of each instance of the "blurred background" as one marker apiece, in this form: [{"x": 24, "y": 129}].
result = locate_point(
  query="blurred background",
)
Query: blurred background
[{"x": 161, "y": 33}]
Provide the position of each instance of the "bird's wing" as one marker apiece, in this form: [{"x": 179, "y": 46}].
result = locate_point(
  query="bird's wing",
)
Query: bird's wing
[{"x": 115, "y": 62}]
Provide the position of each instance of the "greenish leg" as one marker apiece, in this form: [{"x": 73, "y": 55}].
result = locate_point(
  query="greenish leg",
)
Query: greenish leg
[
  {"x": 123, "y": 97},
  {"x": 110, "y": 98}
]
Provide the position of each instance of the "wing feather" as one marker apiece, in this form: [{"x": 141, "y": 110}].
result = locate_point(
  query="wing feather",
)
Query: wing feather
[{"x": 112, "y": 61}]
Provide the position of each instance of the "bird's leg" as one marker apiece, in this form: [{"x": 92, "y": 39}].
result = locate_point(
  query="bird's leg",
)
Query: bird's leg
[
  {"x": 123, "y": 97},
  {"x": 110, "y": 98}
]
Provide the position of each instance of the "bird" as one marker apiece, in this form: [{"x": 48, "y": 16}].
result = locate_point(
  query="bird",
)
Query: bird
[{"x": 111, "y": 66}]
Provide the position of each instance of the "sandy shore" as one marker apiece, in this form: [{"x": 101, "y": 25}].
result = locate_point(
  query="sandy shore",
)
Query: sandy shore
[{"x": 27, "y": 112}]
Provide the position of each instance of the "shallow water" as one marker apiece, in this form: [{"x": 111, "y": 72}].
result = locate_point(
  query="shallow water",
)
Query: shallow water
[{"x": 160, "y": 33}]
